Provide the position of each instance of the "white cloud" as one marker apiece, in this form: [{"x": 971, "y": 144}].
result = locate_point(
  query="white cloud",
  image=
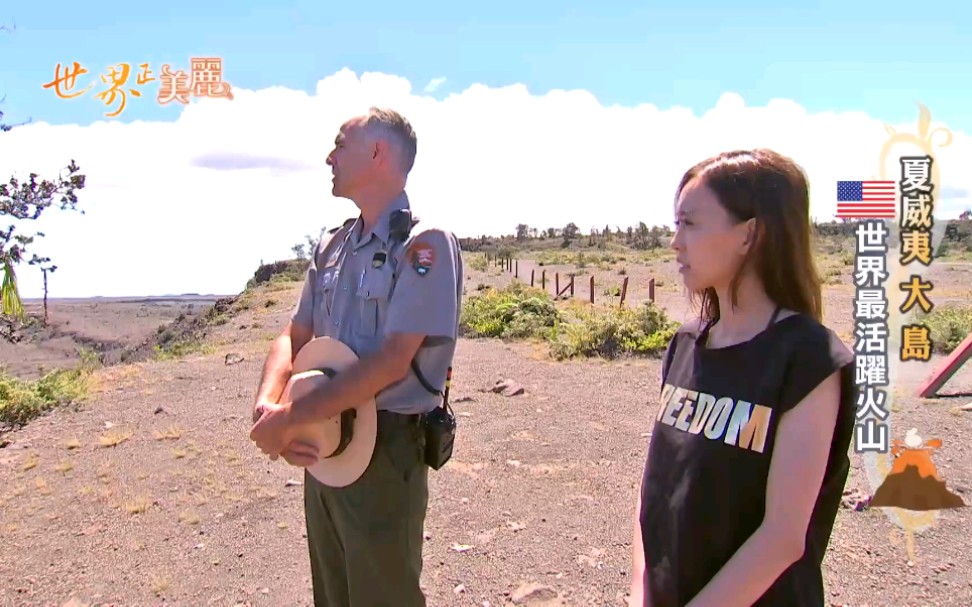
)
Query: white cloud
[
  {"x": 434, "y": 84},
  {"x": 194, "y": 205}
]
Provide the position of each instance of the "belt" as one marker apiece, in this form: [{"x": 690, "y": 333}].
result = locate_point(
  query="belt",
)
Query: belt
[{"x": 399, "y": 419}]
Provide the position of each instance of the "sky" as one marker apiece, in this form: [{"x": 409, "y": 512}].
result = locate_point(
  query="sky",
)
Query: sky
[{"x": 541, "y": 113}]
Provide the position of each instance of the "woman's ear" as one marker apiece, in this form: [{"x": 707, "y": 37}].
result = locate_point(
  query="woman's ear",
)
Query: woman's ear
[{"x": 752, "y": 234}]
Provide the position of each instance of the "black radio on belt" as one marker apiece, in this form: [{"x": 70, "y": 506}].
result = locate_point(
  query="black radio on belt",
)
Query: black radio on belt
[
  {"x": 440, "y": 430},
  {"x": 439, "y": 423}
]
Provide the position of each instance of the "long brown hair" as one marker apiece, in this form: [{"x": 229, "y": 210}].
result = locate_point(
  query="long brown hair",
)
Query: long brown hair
[{"x": 773, "y": 189}]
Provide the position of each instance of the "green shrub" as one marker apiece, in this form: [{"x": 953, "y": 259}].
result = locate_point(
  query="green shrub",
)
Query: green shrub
[
  {"x": 287, "y": 271},
  {"x": 575, "y": 329},
  {"x": 514, "y": 312},
  {"x": 478, "y": 262},
  {"x": 611, "y": 331},
  {"x": 23, "y": 400},
  {"x": 948, "y": 326}
]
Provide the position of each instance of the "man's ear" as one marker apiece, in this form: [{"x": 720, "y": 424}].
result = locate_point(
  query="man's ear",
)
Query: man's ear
[{"x": 381, "y": 148}]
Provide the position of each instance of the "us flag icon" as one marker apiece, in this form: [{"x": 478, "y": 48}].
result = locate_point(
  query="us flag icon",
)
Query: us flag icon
[{"x": 865, "y": 199}]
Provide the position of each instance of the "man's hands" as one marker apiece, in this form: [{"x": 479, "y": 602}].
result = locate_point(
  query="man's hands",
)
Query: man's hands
[
  {"x": 277, "y": 370},
  {"x": 273, "y": 432},
  {"x": 274, "y": 429},
  {"x": 300, "y": 454},
  {"x": 259, "y": 407}
]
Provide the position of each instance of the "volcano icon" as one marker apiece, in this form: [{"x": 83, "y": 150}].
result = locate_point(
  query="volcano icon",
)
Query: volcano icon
[{"x": 913, "y": 483}]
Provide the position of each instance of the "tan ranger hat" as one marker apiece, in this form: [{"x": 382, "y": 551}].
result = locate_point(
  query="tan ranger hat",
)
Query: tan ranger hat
[{"x": 345, "y": 442}]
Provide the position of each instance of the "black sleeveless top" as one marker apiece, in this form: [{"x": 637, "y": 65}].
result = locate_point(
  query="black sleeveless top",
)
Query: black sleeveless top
[{"x": 704, "y": 486}]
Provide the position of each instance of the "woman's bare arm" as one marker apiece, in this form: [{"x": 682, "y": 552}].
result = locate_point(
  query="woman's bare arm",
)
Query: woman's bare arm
[
  {"x": 796, "y": 473},
  {"x": 637, "y": 593}
]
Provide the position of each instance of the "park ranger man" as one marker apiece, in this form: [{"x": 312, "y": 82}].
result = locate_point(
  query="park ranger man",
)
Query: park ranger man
[{"x": 392, "y": 294}]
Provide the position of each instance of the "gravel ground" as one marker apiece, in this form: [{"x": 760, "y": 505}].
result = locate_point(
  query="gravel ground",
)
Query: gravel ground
[{"x": 151, "y": 493}]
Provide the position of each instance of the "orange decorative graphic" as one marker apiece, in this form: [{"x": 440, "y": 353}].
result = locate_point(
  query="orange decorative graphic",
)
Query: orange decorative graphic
[
  {"x": 67, "y": 80},
  {"x": 207, "y": 78},
  {"x": 914, "y": 483},
  {"x": 174, "y": 86},
  {"x": 118, "y": 77},
  {"x": 204, "y": 79}
]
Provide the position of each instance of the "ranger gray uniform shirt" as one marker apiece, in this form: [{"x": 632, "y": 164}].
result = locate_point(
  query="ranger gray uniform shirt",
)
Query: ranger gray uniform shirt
[{"x": 418, "y": 289}]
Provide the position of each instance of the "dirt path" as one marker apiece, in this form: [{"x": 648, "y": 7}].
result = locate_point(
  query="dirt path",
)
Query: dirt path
[{"x": 185, "y": 511}]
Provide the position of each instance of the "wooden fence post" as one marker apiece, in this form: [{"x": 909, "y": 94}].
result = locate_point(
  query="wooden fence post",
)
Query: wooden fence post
[
  {"x": 556, "y": 284},
  {"x": 516, "y": 269},
  {"x": 624, "y": 290},
  {"x": 571, "y": 285},
  {"x": 651, "y": 290},
  {"x": 532, "y": 273},
  {"x": 592, "y": 289},
  {"x": 543, "y": 279}
]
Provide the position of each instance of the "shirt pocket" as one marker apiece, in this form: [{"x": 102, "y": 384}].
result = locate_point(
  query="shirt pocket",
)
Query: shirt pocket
[{"x": 373, "y": 292}]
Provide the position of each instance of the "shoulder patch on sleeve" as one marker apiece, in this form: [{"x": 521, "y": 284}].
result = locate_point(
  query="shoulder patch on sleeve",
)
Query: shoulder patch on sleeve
[
  {"x": 425, "y": 249},
  {"x": 421, "y": 256}
]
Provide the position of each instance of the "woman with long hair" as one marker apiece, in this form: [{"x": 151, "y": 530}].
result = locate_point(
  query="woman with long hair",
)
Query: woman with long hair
[{"x": 749, "y": 453}]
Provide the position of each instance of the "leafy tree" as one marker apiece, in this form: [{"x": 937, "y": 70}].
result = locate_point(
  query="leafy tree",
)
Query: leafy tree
[
  {"x": 23, "y": 201},
  {"x": 522, "y": 232},
  {"x": 27, "y": 201}
]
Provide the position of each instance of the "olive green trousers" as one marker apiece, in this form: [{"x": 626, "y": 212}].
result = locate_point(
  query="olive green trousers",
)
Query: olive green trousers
[{"x": 365, "y": 540}]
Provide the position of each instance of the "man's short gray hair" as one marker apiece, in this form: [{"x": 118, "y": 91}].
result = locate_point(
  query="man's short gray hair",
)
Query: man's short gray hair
[{"x": 397, "y": 128}]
